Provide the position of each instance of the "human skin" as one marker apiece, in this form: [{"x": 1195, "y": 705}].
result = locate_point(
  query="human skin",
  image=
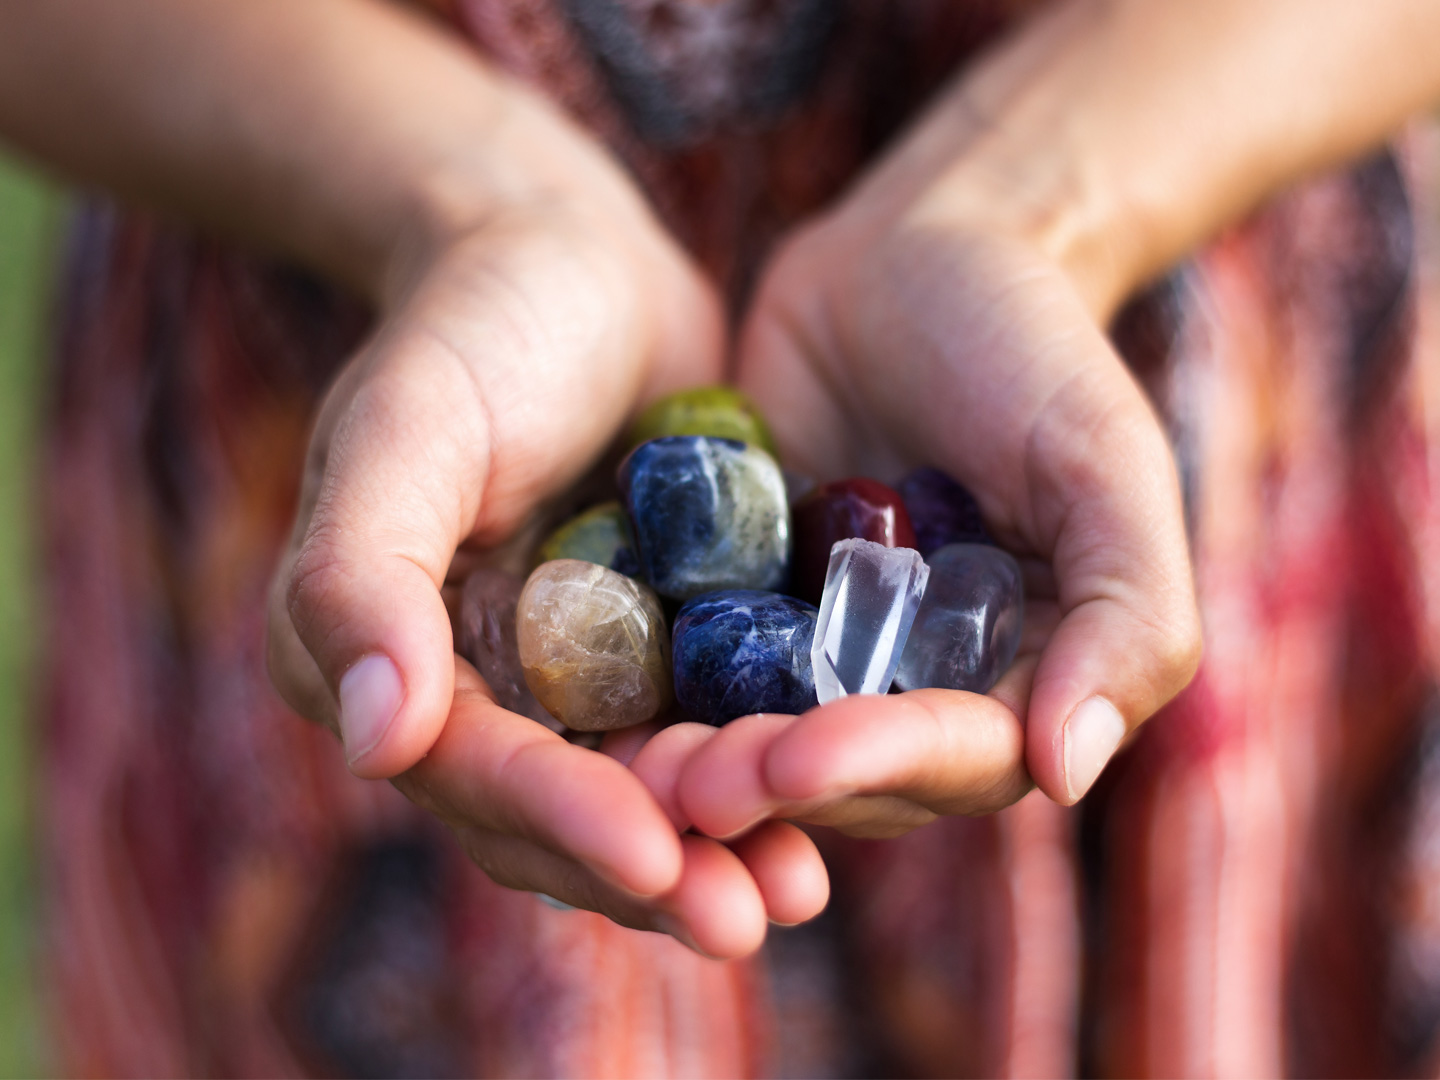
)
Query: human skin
[
  {"x": 529, "y": 304},
  {"x": 951, "y": 309}
]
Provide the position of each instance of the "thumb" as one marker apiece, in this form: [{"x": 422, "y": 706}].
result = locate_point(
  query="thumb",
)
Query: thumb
[
  {"x": 1129, "y": 637},
  {"x": 503, "y": 378},
  {"x": 360, "y": 638}
]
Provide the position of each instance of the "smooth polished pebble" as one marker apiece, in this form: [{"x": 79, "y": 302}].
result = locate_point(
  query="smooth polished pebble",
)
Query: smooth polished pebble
[
  {"x": 941, "y": 510},
  {"x": 485, "y": 636},
  {"x": 858, "y": 507},
  {"x": 968, "y": 628},
  {"x": 742, "y": 651},
  {"x": 706, "y": 514},
  {"x": 593, "y": 646},
  {"x": 600, "y": 535},
  {"x": 872, "y": 593},
  {"x": 719, "y": 411}
]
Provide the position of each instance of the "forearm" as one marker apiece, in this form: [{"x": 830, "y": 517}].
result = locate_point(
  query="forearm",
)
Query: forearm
[
  {"x": 343, "y": 132},
  {"x": 1121, "y": 133}
]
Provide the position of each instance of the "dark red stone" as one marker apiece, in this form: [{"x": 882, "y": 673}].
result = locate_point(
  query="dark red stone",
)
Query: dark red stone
[{"x": 838, "y": 511}]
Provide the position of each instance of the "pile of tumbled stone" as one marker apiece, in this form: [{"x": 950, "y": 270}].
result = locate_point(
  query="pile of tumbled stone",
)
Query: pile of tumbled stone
[{"x": 911, "y": 592}]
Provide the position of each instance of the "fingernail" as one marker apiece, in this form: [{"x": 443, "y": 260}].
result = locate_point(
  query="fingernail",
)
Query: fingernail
[
  {"x": 370, "y": 695},
  {"x": 550, "y": 901},
  {"x": 1092, "y": 733}
]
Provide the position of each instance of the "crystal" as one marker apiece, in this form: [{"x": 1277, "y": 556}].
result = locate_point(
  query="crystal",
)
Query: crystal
[
  {"x": 707, "y": 514},
  {"x": 485, "y": 636},
  {"x": 871, "y": 595},
  {"x": 742, "y": 651},
  {"x": 968, "y": 628},
  {"x": 858, "y": 507},
  {"x": 941, "y": 511},
  {"x": 593, "y": 646},
  {"x": 599, "y": 535},
  {"x": 720, "y": 411}
]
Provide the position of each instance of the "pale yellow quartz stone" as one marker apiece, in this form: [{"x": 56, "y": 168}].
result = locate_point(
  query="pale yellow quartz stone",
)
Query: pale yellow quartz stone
[{"x": 593, "y": 646}]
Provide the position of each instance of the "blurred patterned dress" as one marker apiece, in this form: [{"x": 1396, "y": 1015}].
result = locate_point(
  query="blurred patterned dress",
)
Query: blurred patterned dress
[{"x": 1253, "y": 889}]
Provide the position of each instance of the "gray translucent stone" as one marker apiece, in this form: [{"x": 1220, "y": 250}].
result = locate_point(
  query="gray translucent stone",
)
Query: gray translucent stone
[
  {"x": 486, "y": 637},
  {"x": 968, "y": 628},
  {"x": 872, "y": 593}
]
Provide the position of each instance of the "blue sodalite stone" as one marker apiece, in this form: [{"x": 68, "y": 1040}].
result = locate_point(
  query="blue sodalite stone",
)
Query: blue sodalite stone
[
  {"x": 941, "y": 511},
  {"x": 743, "y": 651},
  {"x": 707, "y": 514},
  {"x": 967, "y": 630}
]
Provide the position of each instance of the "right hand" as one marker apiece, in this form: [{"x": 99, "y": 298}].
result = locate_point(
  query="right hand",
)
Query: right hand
[
  {"x": 950, "y": 310},
  {"x": 512, "y": 350}
]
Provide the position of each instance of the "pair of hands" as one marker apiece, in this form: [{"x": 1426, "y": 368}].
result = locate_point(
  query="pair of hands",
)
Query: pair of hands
[
  {"x": 906, "y": 325},
  {"x": 948, "y": 311}
]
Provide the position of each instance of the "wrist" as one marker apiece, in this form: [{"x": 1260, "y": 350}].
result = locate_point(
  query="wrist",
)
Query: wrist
[
  {"x": 439, "y": 208},
  {"x": 1059, "y": 203},
  {"x": 1115, "y": 137}
]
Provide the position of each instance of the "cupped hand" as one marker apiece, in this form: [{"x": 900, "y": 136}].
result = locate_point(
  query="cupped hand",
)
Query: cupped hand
[
  {"x": 511, "y": 349},
  {"x": 541, "y": 814},
  {"x": 938, "y": 317}
]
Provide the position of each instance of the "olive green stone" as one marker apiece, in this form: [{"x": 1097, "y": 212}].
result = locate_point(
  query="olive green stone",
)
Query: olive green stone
[
  {"x": 719, "y": 411},
  {"x": 600, "y": 535}
]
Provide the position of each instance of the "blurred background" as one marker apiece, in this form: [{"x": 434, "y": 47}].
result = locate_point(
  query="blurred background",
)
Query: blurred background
[{"x": 31, "y": 210}]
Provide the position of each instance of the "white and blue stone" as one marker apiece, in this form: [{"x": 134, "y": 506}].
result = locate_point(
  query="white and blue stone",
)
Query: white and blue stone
[
  {"x": 967, "y": 630},
  {"x": 707, "y": 514},
  {"x": 742, "y": 651}
]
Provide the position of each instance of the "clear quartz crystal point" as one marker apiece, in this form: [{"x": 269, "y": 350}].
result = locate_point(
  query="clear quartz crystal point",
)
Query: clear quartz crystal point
[{"x": 871, "y": 595}]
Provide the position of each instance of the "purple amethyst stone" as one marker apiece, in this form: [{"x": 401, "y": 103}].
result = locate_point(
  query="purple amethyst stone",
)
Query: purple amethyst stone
[{"x": 941, "y": 511}]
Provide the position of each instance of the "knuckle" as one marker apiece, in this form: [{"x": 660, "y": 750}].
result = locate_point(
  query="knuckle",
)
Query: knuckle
[
  {"x": 1003, "y": 794},
  {"x": 319, "y": 576},
  {"x": 1096, "y": 436},
  {"x": 1179, "y": 648}
]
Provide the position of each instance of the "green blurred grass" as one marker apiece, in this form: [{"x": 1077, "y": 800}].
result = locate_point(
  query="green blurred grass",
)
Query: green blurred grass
[{"x": 30, "y": 216}]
